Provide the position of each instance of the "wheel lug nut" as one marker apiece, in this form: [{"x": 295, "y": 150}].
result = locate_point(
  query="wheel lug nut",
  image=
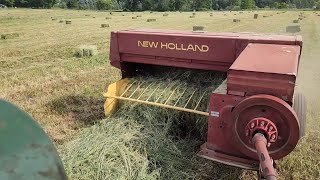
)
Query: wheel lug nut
[
  {"x": 273, "y": 137},
  {"x": 247, "y": 132},
  {"x": 270, "y": 128},
  {"x": 262, "y": 123},
  {"x": 252, "y": 125}
]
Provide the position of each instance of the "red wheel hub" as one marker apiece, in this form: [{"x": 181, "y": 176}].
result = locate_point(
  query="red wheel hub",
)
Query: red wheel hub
[
  {"x": 270, "y": 116},
  {"x": 264, "y": 126}
]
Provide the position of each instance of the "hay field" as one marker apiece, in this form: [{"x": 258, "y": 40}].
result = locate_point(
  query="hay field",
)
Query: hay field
[{"x": 38, "y": 70}]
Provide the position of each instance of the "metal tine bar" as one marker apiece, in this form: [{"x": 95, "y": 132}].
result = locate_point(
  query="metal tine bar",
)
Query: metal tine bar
[
  {"x": 190, "y": 98},
  {"x": 200, "y": 100},
  {"x": 161, "y": 105},
  {"x": 180, "y": 96},
  {"x": 128, "y": 88},
  {"x": 145, "y": 90},
  {"x": 161, "y": 93},
  {"x": 136, "y": 89},
  {"x": 172, "y": 93},
  {"x": 153, "y": 92}
]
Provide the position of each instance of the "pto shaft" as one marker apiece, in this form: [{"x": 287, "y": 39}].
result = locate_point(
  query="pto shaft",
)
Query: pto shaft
[{"x": 266, "y": 166}]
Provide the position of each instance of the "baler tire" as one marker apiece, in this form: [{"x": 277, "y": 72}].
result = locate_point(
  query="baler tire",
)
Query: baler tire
[{"x": 300, "y": 107}]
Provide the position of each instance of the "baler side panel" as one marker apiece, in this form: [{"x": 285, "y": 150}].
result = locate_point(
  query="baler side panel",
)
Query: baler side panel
[{"x": 114, "y": 50}]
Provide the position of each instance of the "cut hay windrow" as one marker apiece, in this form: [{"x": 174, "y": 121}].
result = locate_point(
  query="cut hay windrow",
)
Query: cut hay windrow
[{"x": 147, "y": 142}]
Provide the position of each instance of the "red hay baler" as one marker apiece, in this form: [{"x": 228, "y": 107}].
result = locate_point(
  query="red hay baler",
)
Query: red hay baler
[{"x": 256, "y": 117}]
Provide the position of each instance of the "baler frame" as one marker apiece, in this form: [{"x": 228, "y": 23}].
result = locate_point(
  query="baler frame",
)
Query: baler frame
[{"x": 257, "y": 99}]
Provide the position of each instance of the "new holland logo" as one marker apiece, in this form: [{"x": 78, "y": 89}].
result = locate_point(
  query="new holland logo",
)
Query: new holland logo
[{"x": 173, "y": 46}]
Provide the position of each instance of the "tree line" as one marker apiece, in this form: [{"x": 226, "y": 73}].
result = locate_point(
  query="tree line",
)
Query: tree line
[{"x": 164, "y": 5}]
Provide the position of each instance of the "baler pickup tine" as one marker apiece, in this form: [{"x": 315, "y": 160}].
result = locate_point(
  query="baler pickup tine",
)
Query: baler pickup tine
[
  {"x": 160, "y": 105},
  {"x": 180, "y": 97},
  {"x": 200, "y": 100},
  {"x": 172, "y": 94},
  {"x": 136, "y": 89},
  {"x": 153, "y": 92},
  {"x": 190, "y": 98},
  {"x": 145, "y": 90},
  {"x": 128, "y": 88},
  {"x": 161, "y": 93}
]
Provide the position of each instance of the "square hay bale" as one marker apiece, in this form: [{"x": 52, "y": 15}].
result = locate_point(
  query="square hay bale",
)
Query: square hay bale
[
  {"x": 86, "y": 15},
  {"x": 9, "y": 36},
  {"x": 68, "y": 22},
  {"x": 192, "y": 16},
  {"x": 293, "y": 29},
  {"x": 110, "y": 13},
  {"x": 108, "y": 18},
  {"x": 104, "y": 25},
  {"x": 151, "y": 20},
  {"x": 236, "y": 20},
  {"x": 296, "y": 21},
  {"x": 53, "y": 19},
  {"x": 255, "y": 16},
  {"x": 165, "y": 14},
  {"x": 134, "y": 18},
  {"x": 61, "y": 21},
  {"x": 211, "y": 15},
  {"x": 198, "y": 28},
  {"x": 123, "y": 15},
  {"x": 265, "y": 16},
  {"x": 93, "y": 17},
  {"x": 300, "y": 18},
  {"x": 86, "y": 51},
  {"x": 139, "y": 15}
]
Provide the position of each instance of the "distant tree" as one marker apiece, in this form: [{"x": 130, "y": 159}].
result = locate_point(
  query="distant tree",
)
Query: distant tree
[
  {"x": 9, "y": 3},
  {"x": 247, "y": 4},
  {"x": 104, "y": 4},
  {"x": 72, "y": 4}
]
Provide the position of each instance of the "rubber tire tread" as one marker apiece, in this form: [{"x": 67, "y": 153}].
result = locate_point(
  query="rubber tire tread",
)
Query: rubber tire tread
[{"x": 300, "y": 107}]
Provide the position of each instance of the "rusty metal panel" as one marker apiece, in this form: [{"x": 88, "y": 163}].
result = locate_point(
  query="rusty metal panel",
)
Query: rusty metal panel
[
  {"x": 182, "y": 46},
  {"x": 265, "y": 69},
  {"x": 268, "y": 58},
  {"x": 210, "y": 51}
]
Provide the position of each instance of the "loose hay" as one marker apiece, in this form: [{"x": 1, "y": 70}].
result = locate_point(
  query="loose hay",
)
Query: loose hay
[
  {"x": 144, "y": 142},
  {"x": 86, "y": 51}
]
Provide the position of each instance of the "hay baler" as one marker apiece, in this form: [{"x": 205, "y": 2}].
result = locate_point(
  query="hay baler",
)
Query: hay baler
[{"x": 254, "y": 116}]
